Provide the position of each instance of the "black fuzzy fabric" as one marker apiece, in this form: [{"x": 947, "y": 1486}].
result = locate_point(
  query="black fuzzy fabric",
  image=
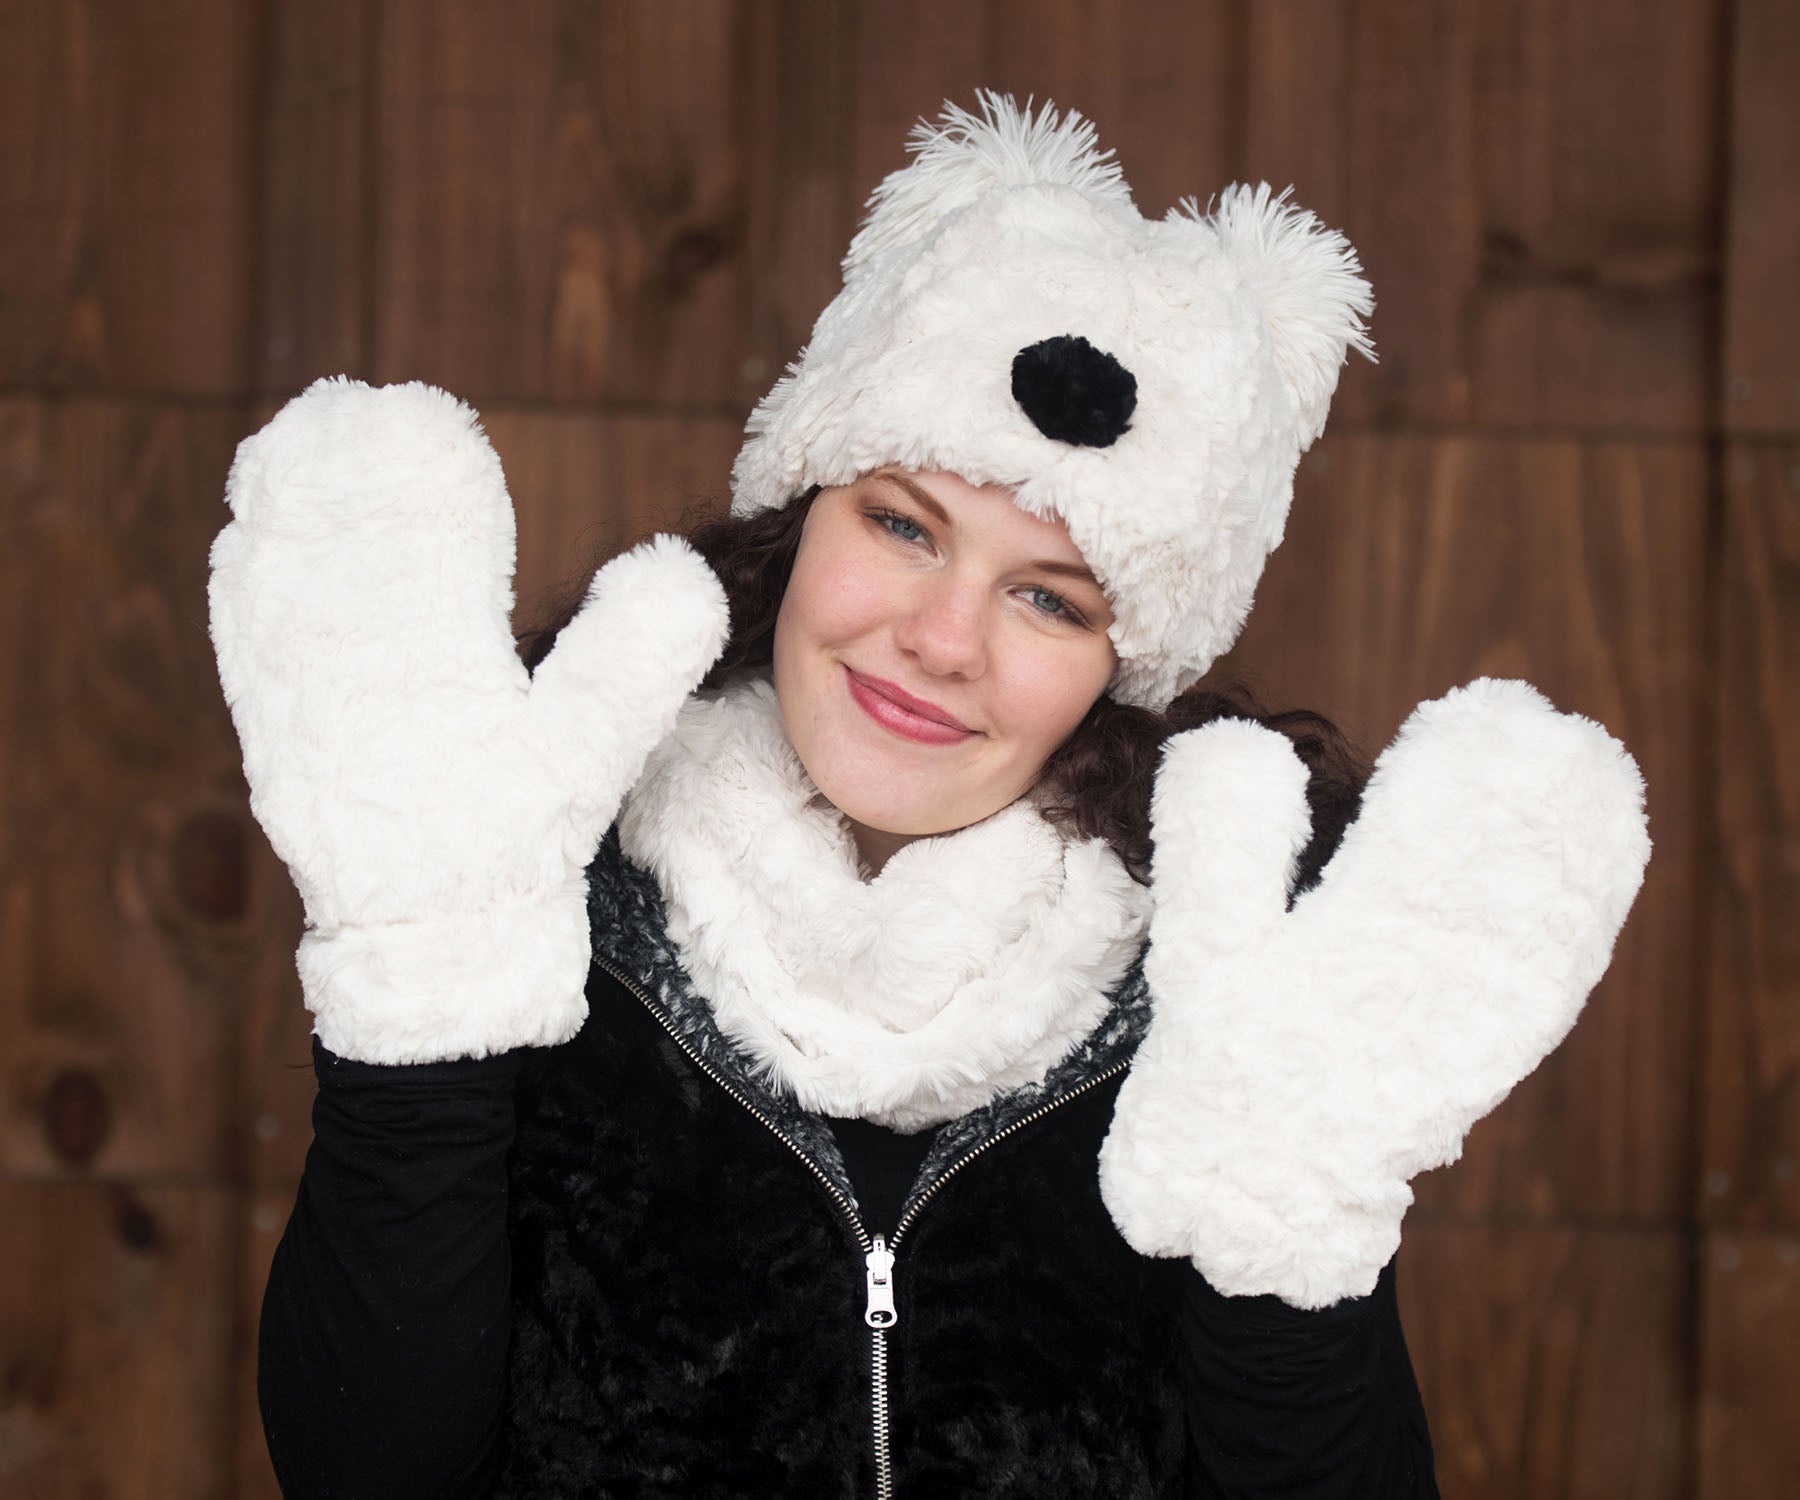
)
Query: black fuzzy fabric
[
  {"x": 1074, "y": 392},
  {"x": 689, "y": 1277},
  {"x": 1035, "y": 1353},
  {"x": 623, "y": 1267}
]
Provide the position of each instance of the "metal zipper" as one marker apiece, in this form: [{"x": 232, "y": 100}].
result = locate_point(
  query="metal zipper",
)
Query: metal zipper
[
  {"x": 912, "y": 1212},
  {"x": 878, "y": 1252},
  {"x": 848, "y": 1208},
  {"x": 878, "y": 1259},
  {"x": 879, "y": 1314},
  {"x": 886, "y": 1251}
]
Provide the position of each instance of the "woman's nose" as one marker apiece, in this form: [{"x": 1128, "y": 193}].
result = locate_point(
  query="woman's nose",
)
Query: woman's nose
[{"x": 945, "y": 627}]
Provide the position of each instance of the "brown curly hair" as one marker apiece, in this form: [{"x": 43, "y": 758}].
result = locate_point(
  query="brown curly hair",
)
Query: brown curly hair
[{"x": 1098, "y": 782}]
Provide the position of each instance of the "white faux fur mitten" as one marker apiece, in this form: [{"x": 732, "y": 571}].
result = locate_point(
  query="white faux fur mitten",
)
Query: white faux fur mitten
[
  {"x": 435, "y": 805},
  {"x": 1303, "y": 1065}
]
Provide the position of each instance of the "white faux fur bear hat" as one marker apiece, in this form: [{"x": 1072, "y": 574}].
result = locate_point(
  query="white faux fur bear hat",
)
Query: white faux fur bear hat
[{"x": 1008, "y": 316}]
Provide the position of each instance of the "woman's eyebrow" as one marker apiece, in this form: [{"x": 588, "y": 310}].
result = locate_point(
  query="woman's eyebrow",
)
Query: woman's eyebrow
[
  {"x": 924, "y": 500},
  {"x": 1067, "y": 570},
  {"x": 937, "y": 512}
]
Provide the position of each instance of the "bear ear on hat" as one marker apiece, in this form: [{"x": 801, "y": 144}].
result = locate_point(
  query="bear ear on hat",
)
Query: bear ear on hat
[
  {"x": 1309, "y": 283},
  {"x": 963, "y": 155}
]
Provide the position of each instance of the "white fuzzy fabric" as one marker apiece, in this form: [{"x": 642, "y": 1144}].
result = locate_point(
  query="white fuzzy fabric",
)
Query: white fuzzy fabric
[
  {"x": 1302, "y": 1066},
  {"x": 971, "y": 964},
  {"x": 1008, "y": 229},
  {"x": 435, "y": 805}
]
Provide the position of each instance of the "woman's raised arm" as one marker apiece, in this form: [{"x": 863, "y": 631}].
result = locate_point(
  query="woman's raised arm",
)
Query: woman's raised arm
[
  {"x": 436, "y": 806},
  {"x": 1318, "y": 1405},
  {"x": 381, "y": 1359}
]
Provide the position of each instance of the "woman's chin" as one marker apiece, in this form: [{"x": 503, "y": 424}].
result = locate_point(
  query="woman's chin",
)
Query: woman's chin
[
  {"x": 899, "y": 790},
  {"x": 887, "y": 820},
  {"x": 897, "y": 820},
  {"x": 884, "y": 807}
]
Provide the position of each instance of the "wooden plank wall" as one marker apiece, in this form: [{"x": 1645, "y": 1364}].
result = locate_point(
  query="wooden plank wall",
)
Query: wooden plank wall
[{"x": 609, "y": 225}]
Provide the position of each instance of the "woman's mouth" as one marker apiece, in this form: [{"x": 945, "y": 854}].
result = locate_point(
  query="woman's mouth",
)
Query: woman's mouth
[{"x": 898, "y": 711}]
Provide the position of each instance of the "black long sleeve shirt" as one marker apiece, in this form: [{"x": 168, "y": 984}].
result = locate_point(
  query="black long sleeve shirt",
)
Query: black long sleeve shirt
[{"x": 383, "y": 1348}]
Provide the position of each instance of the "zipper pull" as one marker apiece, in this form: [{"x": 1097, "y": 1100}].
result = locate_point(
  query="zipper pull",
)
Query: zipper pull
[{"x": 880, "y": 1261}]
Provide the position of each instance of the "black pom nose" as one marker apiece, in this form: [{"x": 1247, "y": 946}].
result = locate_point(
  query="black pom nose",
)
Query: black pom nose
[{"x": 1074, "y": 392}]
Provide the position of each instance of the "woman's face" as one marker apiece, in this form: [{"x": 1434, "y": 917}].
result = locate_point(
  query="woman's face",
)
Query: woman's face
[{"x": 934, "y": 646}]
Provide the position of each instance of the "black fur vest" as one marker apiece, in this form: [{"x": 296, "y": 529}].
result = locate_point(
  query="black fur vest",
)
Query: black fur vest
[{"x": 691, "y": 1281}]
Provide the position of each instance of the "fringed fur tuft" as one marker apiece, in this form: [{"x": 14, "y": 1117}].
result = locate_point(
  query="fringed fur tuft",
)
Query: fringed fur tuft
[
  {"x": 1310, "y": 285},
  {"x": 962, "y": 155}
]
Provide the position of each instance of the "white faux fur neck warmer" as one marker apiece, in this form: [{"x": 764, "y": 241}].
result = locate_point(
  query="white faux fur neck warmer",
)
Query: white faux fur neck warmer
[{"x": 972, "y": 964}]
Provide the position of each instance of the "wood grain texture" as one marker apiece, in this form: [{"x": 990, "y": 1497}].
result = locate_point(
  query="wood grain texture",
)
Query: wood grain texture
[
  {"x": 315, "y": 195},
  {"x": 1752, "y": 1066},
  {"x": 799, "y": 218},
  {"x": 125, "y": 901},
  {"x": 1762, "y": 253},
  {"x": 586, "y": 487},
  {"x": 1415, "y": 564},
  {"x": 1159, "y": 79},
  {"x": 1296, "y": 96},
  {"x": 562, "y": 199},
  {"x": 1551, "y": 1360},
  {"x": 114, "y": 1341},
  {"x": 269, "y": 1114},
  {"x": 260, "y": 1222},
  {"x": 909, "y": 59},
  {"x": 126, "y": 133},
  {"x": 1296, "y": 85},
  {"x": 1750, "y": 1366},
  {"x": 1533, "y": 192}
]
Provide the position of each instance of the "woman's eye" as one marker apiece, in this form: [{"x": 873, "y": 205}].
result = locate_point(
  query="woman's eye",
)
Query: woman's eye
[
  {"x": 903, "y": 527},
  {"x": 1054, "y": 605}
]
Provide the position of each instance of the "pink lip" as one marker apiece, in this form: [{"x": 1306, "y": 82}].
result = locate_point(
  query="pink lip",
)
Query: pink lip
[{"x": 895, "y": 709}]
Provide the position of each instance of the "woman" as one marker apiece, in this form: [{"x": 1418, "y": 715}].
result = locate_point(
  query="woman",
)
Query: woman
[{"x": 830, "y": 1133}]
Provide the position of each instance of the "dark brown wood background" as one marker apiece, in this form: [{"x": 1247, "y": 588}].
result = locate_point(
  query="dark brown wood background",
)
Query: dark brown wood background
[{"x": 609, "y": 225}]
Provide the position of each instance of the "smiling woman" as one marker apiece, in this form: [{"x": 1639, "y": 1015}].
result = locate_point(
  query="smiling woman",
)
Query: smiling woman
[
  {"x": 1097, "y": 782},
  {"x": 859, "y": 1018},
  {"x": 935, "y": 645}
]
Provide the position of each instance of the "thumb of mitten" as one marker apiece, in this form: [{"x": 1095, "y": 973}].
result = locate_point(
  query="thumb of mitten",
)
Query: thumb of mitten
[
  {"x": 654, "y": 621},
  {"x": 1230, "y": 819}
]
